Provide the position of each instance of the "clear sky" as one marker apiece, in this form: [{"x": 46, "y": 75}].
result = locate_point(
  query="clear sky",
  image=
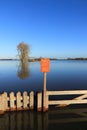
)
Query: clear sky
[{"x": 52, "y": 28}]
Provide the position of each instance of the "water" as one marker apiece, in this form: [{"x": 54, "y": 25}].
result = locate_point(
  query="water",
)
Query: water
[{"x": 64, "y": 75}]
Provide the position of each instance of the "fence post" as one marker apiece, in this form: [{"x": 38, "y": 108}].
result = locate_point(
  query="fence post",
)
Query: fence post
[
  {"x": 25, "y": 101},
  {"x": 1, "y": 104},
  {"x": 45, "y": 101},
  {"x": 47, "y": 98},
  {"x": 5, "y": 100},
  {"x": 18, "y": 101},
  {"x": 12, "y": 101},
  {"x": 39, "y": 101},
  {"x": 32, "y": 100}
]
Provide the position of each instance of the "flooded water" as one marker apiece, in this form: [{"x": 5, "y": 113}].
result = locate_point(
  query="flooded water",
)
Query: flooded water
[
  {"x": 64, "y": 75},
  {"x": 62, "y": 119}
]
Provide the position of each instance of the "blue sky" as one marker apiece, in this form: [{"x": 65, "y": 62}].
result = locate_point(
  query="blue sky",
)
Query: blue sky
[{"x": 52, "y": 28}]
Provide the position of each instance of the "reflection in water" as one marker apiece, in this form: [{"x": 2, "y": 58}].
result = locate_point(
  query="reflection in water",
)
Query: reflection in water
[
  {"x": 23, "y": 71},
  {"x": 27, "y": 120}
]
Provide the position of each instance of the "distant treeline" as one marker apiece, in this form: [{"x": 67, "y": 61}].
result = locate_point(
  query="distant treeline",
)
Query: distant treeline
[
  {"x": 8, "y": 59},
  {"x": 39, "y": 59},
  {"x": 32, "y": 60},
  {"x": 77, "y": 58}
]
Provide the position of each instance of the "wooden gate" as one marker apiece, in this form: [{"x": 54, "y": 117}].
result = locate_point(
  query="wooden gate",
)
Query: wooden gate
[{"x": 80, "y": 98}]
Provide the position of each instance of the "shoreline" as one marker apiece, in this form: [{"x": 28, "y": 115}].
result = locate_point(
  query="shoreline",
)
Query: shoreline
[{"x": 37, "y": 59}]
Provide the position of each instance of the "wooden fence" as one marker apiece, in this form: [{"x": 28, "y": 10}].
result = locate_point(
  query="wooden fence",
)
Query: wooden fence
[
  {"x": 81, "y": 98},
  {"x": 18, "y": 102},
  {"x": 26, "y": 101}
]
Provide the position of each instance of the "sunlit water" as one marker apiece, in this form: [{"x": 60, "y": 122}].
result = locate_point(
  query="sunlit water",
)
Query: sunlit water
[{"x": 64, "y": 75}]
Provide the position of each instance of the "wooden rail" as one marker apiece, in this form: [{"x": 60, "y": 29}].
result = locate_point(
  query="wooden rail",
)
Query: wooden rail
[
  {"x": 80, "y": 98},
  {"x": 68, "y": 92},
  {"x": 18, "y": 102}
]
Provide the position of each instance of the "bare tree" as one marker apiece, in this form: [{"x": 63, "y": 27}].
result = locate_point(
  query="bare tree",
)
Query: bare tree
[{"x": 23, "y": 50}]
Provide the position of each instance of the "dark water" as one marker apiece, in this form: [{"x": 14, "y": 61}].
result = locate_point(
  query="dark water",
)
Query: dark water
[
  {"x": 62, "y": 119},
  {"x": 64, "y": 75}
]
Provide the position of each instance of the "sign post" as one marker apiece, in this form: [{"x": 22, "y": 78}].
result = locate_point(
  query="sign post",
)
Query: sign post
[
  {"x": 45, "y": 67},
  {"x": 44, "y": 87}
]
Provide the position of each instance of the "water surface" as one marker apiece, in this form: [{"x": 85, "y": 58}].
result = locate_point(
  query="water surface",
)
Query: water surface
[{"x": 64, "y": 75}]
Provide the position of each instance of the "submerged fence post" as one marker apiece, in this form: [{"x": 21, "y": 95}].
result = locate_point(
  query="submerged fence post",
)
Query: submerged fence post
[
  {"x": 39, "y": 101},
  {"x": 12, "y": 101},
  {"x": 32, "y": 100},
  {"x": 25, "y": 100},
  {"x": 19, "y": 104},
  {"x": 1, "y": 104},
  {"x": 45, "y": 101},
  {"x": 5, "y": 100}
]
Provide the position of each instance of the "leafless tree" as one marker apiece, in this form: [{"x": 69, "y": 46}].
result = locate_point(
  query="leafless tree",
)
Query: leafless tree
[{"x": 23, "y": 50}]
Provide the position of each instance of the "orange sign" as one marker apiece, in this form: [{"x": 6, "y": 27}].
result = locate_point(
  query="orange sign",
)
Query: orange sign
[{"x": 45, "y": 65}]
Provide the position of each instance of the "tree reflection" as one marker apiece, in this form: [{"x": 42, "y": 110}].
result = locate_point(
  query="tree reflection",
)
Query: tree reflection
[{"x": 23, "y": 70}]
